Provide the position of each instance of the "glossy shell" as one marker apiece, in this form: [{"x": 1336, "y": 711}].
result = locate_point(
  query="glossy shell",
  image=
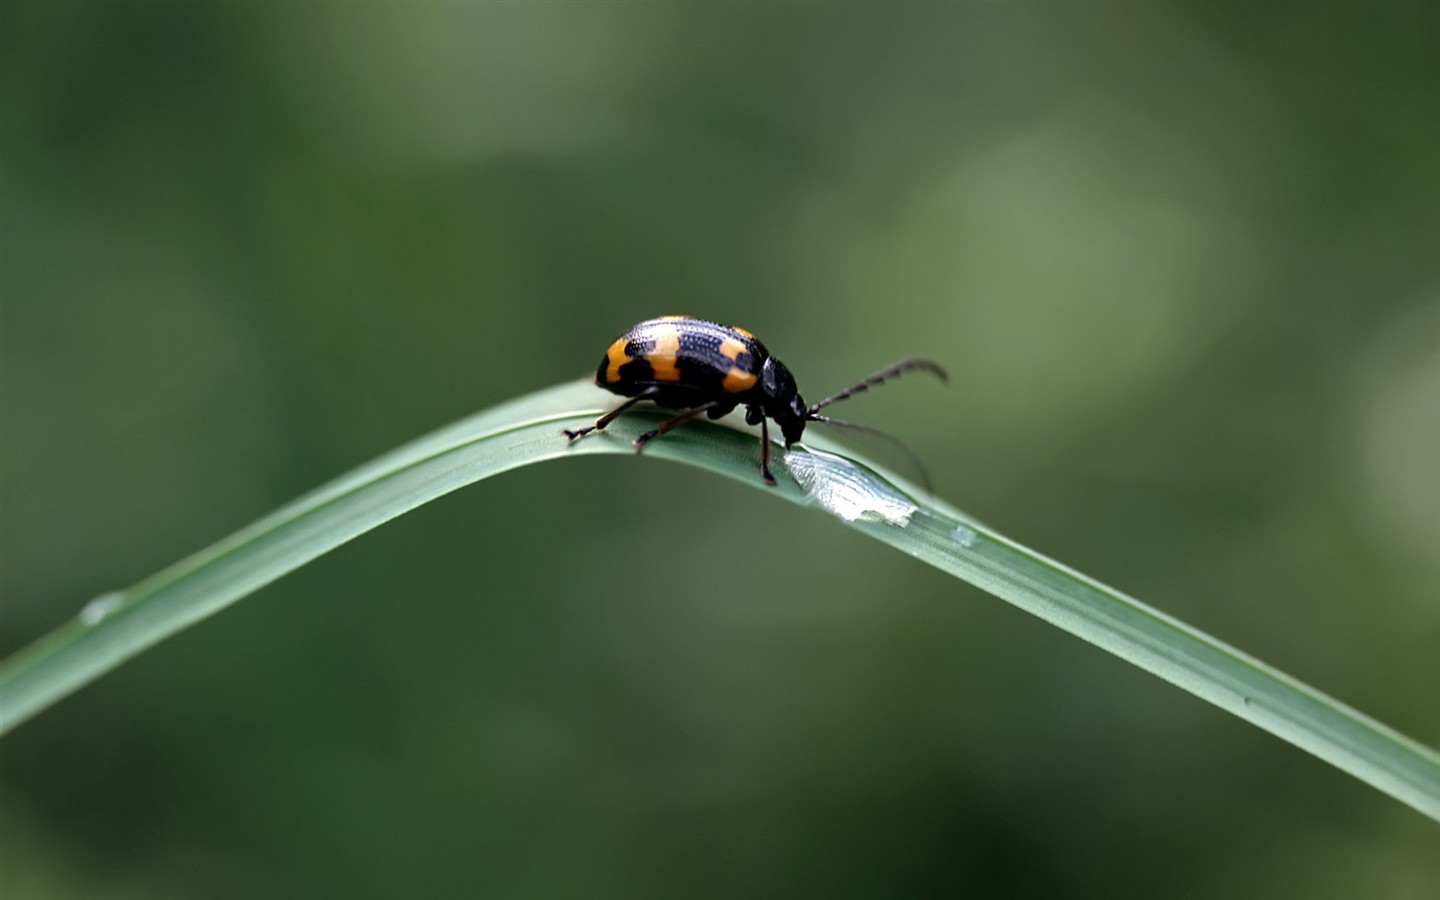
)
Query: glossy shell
[{"x": 690, "y": 361}]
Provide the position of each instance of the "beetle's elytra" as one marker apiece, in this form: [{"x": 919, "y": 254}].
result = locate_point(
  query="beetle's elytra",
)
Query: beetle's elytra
[{"x": 693, "y": 366}]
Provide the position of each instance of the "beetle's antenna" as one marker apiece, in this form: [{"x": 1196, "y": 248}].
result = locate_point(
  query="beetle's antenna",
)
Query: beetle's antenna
[
  {"x": 884, "y": 374},
  {"x": 914, "y": 457}
]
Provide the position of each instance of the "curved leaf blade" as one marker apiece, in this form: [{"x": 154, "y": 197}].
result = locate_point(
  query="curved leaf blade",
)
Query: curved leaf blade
[{"x": 117, "y": 626}]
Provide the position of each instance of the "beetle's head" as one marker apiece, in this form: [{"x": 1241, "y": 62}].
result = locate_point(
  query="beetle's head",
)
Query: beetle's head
[{"x": 782, "y": 400}]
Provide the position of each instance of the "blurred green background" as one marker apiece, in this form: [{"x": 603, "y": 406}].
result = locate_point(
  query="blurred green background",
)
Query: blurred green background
[{"x": 1183, "y": 262}]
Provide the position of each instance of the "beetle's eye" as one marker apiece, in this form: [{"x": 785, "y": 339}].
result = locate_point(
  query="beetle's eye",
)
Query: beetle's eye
[{"x": 797, "y": 406}]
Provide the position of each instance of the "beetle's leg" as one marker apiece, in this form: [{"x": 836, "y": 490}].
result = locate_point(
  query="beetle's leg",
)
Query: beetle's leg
[
  {"x": 765, "y": 452},
  {"x": 609, "y": 417},
  {"x": 668, "y": 424}
]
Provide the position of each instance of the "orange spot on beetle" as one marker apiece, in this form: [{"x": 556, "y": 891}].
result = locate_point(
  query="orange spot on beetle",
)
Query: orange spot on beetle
[
  {"x": 662, "y": 359},
  {"x": 732, "y": 348},
  {"x": 737, "y": 381},
  {"x": 617, "y": 357}
]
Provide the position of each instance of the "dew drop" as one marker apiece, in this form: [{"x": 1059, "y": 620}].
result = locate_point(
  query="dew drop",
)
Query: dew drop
[
  {"x": 99, "y": 609},
  {"x": 847, "y": 490}
]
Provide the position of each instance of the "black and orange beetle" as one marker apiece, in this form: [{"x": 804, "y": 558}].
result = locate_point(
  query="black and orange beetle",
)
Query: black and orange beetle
[{"x": 693, "y": 366}]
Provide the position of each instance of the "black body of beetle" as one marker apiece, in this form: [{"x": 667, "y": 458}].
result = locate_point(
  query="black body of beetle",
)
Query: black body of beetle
[{"x": 695, "y": 366}]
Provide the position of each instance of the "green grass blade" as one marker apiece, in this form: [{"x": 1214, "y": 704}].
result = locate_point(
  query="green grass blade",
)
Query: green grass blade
[{"x": 117, "y": 626}]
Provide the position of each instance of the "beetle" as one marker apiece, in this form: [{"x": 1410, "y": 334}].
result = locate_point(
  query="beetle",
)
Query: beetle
[{"x": 695, "y": 366}]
